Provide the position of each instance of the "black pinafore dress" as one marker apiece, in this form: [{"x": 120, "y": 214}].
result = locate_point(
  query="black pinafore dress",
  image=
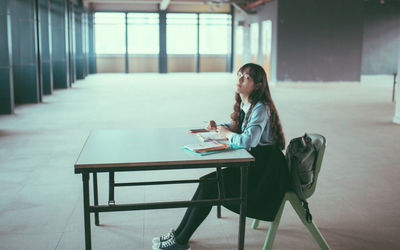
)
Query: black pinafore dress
[{"x": 268, "y": 180}]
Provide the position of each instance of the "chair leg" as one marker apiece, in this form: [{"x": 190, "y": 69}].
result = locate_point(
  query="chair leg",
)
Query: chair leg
[
  {"x": 255, "y": 224},
  {"x": 273, "y": 228},
  {"x": 316, "y": 234}
]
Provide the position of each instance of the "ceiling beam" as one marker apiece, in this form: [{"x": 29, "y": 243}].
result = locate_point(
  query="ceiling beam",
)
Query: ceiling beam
[
  {"x": 124, "y": 1},
  {"x": 164, "y": 4}
]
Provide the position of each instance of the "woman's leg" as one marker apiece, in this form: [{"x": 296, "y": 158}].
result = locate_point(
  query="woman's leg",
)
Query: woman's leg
[
  {"x": 187, "y": 214},
  {"x": 194, "y": 216}
]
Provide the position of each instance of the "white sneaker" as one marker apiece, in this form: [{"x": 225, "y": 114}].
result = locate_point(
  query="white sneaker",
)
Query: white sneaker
[
  {"x": 165, "y": 237},
  {"x": 171, "y": 244}
]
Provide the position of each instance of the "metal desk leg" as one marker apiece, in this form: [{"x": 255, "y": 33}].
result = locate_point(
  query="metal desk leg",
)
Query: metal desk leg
[
  {"x": 243, "y": 206},
  {"x": 95, "y": 198},
  {"x": 221, "y": 191},
  {"x": 86, "y": 213},
  {"x": 111, "y": 182}
]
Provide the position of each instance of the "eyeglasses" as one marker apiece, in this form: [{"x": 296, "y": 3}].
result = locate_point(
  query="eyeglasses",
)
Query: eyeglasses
[{"x": 245, "y": 75}]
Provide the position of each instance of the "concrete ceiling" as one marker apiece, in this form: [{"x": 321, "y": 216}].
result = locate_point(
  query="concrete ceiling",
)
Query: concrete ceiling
[
  {"x": 157, "y": 1},
  {"x": 166, "y": 4}
]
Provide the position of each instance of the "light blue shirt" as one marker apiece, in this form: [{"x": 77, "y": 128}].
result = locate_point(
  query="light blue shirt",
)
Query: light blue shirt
[{"x": 258, "y": 129}]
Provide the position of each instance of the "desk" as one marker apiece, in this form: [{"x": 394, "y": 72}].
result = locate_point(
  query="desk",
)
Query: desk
[{"x": 152, "y": 149}]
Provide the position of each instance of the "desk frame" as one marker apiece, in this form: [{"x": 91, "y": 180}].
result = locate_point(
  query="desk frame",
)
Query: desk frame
[
  {"x": 112, "y": 184},
  {"x": 96, "y": 208}
]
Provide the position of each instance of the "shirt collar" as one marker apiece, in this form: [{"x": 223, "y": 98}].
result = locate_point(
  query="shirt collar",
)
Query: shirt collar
[{"x": 246, "y": 107}]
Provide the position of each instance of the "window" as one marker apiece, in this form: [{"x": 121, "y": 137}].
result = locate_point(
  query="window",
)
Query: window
[
  {"x": 254, "y": 42},
  {"x": 266, "y": 45},
  {"x": 182, "y": 33},
  {"x": 266, "y": 37},
  {"x": 238, "y": 47},
  {"x": 215, "y": 33},
  {"x": 143, "y": 33},
  {"x": 110, "y": 33}
]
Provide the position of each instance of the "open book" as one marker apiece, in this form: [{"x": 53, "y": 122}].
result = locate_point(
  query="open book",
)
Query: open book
[
  {"x": 212, "y": 147},
  {"x": 206, "y": 146},
  {"x": 211, "y": 136}
]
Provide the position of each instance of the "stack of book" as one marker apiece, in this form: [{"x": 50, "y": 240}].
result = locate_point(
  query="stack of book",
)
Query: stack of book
[
  {"x": 211, "y": 143},
  {"x": 211, "y": 136},
  {"x": 208, "y": 147}
]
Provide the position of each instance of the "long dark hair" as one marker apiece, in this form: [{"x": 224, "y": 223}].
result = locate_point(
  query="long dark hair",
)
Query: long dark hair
[{"x": 259, "y": 94}]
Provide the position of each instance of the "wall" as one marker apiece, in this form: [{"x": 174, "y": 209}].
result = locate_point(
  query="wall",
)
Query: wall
[
  {"x": 143, "y": 63},
  {"x": 36, "y": 49},
  {"x": 181, "y": 63},
  {"x": 149, "y": 63},
  {"x": 213, "y": 63},
  {"x": 60, "y": 50},
  {"x": 381, "y": 37},
  {"x": 319, "y": 40},
  {"x": 110, "y": 64},
  {"x": 25, "y": 51},
  {"x": 6, "y": 75},
  {"x": 268, "y": 11},
  {"x": 45, "y": 46}
]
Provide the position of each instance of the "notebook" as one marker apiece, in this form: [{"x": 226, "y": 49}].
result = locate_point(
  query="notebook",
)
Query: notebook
[
  {"x": 207, "y": 146},
  {"x": 211, "y": 136}
]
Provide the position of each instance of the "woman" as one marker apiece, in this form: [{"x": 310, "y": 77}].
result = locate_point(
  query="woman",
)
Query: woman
[{"x": 255, "y": 126}]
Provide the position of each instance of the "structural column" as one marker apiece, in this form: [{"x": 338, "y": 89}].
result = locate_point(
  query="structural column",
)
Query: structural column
[
  {"x": 25, "y": 51},
  {"x": 85, "y": 41},
  {"x": 60, "y": 47},
  {"x": 92, "y": 53},
  {"x": 79, "y": 43},
  {"x": 45, "y": 46},
  {"x": 162, "y": 58},
  {"x": 6, "y": 75},
  {"x": 71, "y": 24},
  {"x": 396, "y": 118}
]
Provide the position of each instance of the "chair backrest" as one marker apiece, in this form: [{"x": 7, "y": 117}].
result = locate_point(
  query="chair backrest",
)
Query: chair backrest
[{"x": 319, "y": 142}]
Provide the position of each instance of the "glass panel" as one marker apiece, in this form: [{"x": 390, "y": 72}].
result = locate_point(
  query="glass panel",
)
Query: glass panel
[
  {"x": 181, "y": 33},
  {"x": 110, "y": 33},
  {"x": 266, "y": 46},
  {"x": 143, "y": 33},
  {"x": 215, "y": 34},
  {"x": 254, "y": 42},
  {"x": 238, "y": 47}
]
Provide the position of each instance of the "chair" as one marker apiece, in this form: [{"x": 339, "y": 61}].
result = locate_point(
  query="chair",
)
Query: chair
[{"x": 320, "y": 143}]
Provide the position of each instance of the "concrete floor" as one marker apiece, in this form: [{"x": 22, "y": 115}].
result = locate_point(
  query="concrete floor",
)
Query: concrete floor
[{"x": 356, "y": 204}]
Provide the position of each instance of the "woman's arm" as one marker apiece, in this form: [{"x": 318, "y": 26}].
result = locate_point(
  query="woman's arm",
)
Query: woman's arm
[{"x": 253, "y": 131}]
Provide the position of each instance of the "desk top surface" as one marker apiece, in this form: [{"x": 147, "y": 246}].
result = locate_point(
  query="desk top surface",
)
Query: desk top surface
[{"x": 148, "y": 147}]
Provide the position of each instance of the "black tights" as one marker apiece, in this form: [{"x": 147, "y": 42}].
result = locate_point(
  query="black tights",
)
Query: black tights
[{"x": 194, "y": 216}]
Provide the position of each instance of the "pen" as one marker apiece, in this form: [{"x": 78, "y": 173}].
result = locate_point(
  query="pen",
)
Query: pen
[{"x": 220, "y": 124}]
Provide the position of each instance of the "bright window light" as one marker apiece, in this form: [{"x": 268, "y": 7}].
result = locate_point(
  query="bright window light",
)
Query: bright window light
[
  {"x": 215, "y": 33},
  {"x": 182, "y": 33},
  {"x": 143, "y": 33},
  {"x": 254, "y": 39},
  {"x": 110, "y": 33},
  {"x": 239, "y": 40}
]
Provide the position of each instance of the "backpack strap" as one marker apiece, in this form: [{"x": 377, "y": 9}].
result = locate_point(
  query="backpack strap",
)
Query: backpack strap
[
  {"x": 299, "y": 192},
  {"x": 308, "y": 214}
]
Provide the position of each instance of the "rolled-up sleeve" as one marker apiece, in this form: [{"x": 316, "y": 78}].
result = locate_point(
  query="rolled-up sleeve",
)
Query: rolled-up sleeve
[{"x": 254, "y": 129}]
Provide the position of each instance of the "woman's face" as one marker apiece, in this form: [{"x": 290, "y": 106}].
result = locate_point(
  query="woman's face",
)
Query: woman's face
[{"x": 245, "y": 83}]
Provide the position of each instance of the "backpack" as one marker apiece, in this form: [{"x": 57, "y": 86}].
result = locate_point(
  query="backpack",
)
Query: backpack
[{"x": 301, "y": 155}]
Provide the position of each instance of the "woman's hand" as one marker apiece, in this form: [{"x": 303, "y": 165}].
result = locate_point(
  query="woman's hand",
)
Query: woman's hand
[
  {"x": 224, "y": 131},
  {"x": 211, "y": 125}
]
